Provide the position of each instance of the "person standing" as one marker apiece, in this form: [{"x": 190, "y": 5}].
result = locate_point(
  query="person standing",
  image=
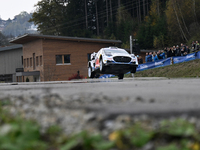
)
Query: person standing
[
  {"x": 159, "y": 54},
  {"x": 169, "y": 53},
  {"x": 187, "y": 49},
  {"x": 140, "y": 61},
  {"x": 196, "y": 46},
  {"x": 149, "y": 57},
  {"x": 178, "y": 51},
  {"x": 146, "y": 57},
  {"x": 173, "y": 51},
  {"x": 162, "y": 54},
  {"x": 155, "y": 57},
  {"x": 193, "y": 46},
  {"x": 183, "y": 49}
]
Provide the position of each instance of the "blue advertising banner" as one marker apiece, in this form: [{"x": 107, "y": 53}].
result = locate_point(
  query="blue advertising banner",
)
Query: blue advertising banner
[
  {"x": 151, "y": 65},
  {"x": 198, "y": 55},
  {"x": 181, "y": 59},
  {"x": 106, "y": 76}
]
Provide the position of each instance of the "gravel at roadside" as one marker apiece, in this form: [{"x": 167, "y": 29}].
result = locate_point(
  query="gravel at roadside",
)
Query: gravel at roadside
[{"x": 75, "y": 113}]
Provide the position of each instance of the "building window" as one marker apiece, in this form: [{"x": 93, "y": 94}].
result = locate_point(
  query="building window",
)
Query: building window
[
  {"x": 58, "y": 59},
  {"x": 62, "y": 59},
  {"x": 31, "y": 62},
  {"x": 40, "y": 60},
  {"x": 24, "y": 63},
  {"x": 22, "y": 60},
  {"x": 66, "y": 59},
  {"x": 27, "y": 62},
  {"x": 37, "y": 63}
]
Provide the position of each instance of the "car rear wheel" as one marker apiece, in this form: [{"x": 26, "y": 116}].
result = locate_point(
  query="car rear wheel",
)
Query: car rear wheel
[
  {"x": 91, "y": 74},
  {"x": 121, "y": 76}
]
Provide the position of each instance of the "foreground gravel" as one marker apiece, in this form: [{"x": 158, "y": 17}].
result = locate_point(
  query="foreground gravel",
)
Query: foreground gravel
[{"x": 88, "y": 112}]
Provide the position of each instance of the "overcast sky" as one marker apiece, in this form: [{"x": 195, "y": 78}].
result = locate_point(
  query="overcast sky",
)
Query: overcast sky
[{"x": 10, "y": 8}]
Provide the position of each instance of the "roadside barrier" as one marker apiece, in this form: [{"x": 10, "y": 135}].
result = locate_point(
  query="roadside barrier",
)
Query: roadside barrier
[{"x": 162, "y": 63}]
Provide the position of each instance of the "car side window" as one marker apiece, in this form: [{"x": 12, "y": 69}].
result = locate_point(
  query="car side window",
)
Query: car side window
[{"x": 97, "y": 56}]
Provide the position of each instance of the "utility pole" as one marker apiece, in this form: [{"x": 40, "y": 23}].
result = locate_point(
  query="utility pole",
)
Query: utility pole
[{"x": 131, "y": 44}]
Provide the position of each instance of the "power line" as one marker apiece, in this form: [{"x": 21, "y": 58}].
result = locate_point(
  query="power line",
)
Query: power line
[
  {"x": 101, "y": 14},
  {"x": 84, "y": 22}
]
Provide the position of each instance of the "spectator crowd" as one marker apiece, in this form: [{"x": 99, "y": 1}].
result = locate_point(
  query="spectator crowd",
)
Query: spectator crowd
[{"x": 183, "y": 50}]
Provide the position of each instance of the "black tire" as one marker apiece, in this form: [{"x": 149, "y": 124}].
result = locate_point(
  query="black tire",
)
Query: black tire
[
  {"x": 97, "y": 75},
  {"x": 133, "y": 70},
  {"x": 121, "y": 76},
  {"x": 101, "y": 67},
  {"x": 91, "y": 74}
]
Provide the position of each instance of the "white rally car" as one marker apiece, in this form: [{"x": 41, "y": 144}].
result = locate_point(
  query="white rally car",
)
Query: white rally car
[{"x": 112, "y": 60}]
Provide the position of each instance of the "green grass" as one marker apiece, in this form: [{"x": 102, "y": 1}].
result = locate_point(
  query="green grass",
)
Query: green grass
[{"x": 181, "y": 70}]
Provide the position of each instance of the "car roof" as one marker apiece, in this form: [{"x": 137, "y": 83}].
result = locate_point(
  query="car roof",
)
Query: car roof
[{"x": 113, "y": 48}]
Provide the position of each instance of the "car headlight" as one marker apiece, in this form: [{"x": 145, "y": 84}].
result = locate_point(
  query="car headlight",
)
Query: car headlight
[{"x": 133, "y": 59}]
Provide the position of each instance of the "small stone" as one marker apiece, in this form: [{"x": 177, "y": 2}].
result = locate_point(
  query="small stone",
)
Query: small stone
[
  {"x": 75, "y": 97},
  {"x": 124, "y": 119},
  {"x": 139, "y": 99},
  {"x": 90, "y": 117},
  {"x": 152, "y": 100}
]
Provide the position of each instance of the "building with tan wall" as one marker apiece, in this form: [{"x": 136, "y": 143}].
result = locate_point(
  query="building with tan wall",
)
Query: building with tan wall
[{"x": 56, "y": 58}]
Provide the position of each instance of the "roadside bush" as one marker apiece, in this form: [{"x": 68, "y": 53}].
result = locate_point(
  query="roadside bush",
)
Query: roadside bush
[
  {"x": 18, "y": 134},
  {"x": 76, "y": 76}
]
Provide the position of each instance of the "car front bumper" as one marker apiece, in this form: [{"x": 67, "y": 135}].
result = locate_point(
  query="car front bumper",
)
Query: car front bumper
[{"x": 117, "y": 68}]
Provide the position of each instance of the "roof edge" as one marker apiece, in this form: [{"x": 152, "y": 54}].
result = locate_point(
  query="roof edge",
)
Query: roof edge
[
  {"x": 38, "y": 36},
  {"x": 11, "y": 47}
]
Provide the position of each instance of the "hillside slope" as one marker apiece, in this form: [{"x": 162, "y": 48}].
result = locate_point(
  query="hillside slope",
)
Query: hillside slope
[{"x": 186, "y": 69}]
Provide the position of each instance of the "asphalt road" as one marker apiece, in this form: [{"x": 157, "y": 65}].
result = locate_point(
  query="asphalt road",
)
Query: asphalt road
[{"x": 152, "y": 95}]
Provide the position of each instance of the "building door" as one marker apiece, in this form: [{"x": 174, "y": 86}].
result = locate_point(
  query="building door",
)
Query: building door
[{"x": 33, "y": 61}]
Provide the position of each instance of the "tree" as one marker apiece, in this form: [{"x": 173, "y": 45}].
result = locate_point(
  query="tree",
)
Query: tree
[
  {"x": 152, "y": 32},
  {"x": 3, "y": 40},
  {"x": 49, "y": 16},
  {"x": 182, "y": 20}
]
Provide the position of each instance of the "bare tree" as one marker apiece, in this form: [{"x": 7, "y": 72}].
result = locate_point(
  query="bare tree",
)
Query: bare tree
[
  {"x": 118, "y": 3},
  {"x": 139, "y": 11},
  {"x": 119, "y": 8},
  {"x": 179, "y": 22},
  {"x": 158, "y": 7},
  {"x": 111, "y": 10},
  {"x": 144, "y": 8},
  {"x": 183, "y": 19},
  {"x": 147, "y": 7},
  {"x": 97, "y": 19},
  {"x": 86, "y": 17},
  {"x": 107, "y": 11}
]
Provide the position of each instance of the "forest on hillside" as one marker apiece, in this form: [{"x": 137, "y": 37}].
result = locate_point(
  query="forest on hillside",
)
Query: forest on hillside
[{"x": 18, "y": 26}]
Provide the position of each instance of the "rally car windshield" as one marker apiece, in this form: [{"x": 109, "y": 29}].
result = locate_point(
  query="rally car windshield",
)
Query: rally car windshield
[{"x": 112, "y": 51}]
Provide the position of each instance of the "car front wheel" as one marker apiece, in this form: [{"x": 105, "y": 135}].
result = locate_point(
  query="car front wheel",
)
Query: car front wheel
[
  {"x": 121, "y": 76},
  {"x": 134, "y": 70}
]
